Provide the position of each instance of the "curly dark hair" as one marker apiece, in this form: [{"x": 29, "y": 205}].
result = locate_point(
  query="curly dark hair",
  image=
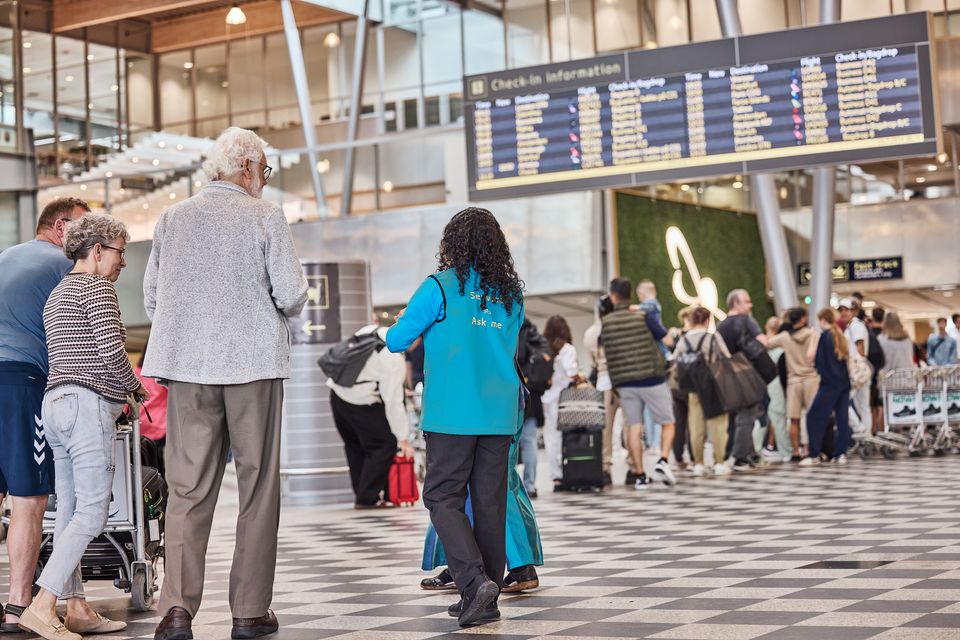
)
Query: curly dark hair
[{"x": 473, "y": 239}]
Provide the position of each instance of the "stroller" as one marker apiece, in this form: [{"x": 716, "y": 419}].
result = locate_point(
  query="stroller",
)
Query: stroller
[{"x": 132, "y": 542}]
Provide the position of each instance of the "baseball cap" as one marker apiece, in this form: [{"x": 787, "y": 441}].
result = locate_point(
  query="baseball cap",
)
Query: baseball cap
[{"x": 845, "y": 302}]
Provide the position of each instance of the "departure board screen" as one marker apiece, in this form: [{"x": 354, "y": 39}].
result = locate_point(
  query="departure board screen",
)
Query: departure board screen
[{"x": 840, "y": 93}]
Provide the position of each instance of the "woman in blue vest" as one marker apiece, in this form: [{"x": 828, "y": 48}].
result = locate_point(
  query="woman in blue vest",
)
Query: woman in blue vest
[{"x": 469, "y": 314}]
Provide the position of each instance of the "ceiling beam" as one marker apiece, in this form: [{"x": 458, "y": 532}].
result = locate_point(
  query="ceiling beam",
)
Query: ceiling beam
[
  {"x": 76, "y": 14},
  {"x": 209, "y": 27}
]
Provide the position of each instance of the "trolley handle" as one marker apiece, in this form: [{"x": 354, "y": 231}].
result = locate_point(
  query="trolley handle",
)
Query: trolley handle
[{"x": 137, "y": 403}]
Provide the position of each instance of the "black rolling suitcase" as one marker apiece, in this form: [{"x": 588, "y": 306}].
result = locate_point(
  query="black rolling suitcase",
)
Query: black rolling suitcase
[
  {"x": 582, "y": 459},
  {"x": 581, "y": 420}
]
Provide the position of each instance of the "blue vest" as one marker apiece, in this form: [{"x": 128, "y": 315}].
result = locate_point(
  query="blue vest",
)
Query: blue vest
[{"x": 471, "y": 386}]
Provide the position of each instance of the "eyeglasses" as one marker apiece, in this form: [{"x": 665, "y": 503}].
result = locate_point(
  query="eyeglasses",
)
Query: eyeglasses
[
  {"x": 267, "y": 170},
  {"x": 120, "y": 251}
]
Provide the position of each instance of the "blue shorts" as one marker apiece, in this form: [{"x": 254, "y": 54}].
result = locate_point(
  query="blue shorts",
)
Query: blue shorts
[{"x": 26, "y": 462}]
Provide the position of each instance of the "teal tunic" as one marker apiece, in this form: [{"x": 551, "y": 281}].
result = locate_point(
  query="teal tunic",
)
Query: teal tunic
[
  {"x": 523, "y": 535},
  {"x": 471, "y": 385}
]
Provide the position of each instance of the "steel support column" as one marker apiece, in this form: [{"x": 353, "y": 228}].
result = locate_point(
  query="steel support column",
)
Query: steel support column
[
  {"x": 303, "y": 101},
  {"x": 356, "y": 96},
  {"x": 824, "y": 213},
  {"x": 765, "y": 196}
]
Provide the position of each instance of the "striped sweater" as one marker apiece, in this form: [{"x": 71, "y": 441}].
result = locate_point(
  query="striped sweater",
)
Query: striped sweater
[{"x": 85, "y": 338}]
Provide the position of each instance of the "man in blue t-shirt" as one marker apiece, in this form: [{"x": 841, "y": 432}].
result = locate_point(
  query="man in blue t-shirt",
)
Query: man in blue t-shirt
[{"x": 28, "y": 273}]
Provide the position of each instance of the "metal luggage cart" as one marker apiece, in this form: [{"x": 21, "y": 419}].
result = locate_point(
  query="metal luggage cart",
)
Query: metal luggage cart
[
  {"x": 901, "y": 405},
  {"x": 131, "y": 544},
  {"x": 946, "y": 438}
]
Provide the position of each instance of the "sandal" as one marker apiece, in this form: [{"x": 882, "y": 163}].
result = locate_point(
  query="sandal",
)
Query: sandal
[{"x": 11, "y": 627}]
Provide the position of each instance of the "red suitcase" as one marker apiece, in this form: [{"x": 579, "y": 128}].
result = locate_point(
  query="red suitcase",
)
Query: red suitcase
[{"x": 402, "y": 485}]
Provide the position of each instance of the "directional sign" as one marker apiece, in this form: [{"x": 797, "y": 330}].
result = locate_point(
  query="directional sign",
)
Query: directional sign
[{"x": 319, "y": 323}]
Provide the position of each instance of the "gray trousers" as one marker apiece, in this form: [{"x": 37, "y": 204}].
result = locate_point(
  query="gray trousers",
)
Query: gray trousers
[
  {"x": 80, "y": 427},
  {"x": 743, "y": 422},
  {"x": 203, "y": 422}
]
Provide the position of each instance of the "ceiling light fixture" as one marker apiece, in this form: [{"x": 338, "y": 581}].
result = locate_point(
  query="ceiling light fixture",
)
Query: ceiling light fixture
[
  {"x": 931, "y": 167},
  {"x": 942, "y": 157},
  {"x": 188, "y": 65},
  {"x": 331, "y": 40},
  {"x": 921, "y": 180},
  {"x": 236, "y": 15},
  {"x": 27, "y": 45}
]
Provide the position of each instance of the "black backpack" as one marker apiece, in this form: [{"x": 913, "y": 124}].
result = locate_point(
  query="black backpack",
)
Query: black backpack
[
  {"x": 689, "y": 365},
  {"x": 537, "y": 363},
  {"x": 344, "y": 361}
]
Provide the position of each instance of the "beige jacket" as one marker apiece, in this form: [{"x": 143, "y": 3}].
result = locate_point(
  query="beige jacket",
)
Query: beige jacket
[{"x": 795, "y": 347}]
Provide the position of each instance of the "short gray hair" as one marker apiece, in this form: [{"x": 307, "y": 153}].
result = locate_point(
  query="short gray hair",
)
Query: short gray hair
[
  {"x": 92, "y": 229},
  {"x": 734, "y": 297},
  {"x": 234, "y": 147}
]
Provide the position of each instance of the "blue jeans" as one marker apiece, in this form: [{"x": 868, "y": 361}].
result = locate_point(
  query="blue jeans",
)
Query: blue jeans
[
  {"x": 528, "y": 451},
  {"x": 80, "y": 427}
]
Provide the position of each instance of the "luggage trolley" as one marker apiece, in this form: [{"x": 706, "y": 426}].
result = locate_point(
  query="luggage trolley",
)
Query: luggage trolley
[
  {"x": 901, "y": 389},
  {"x": 131, "y": 543},
  {"x": 948, "y": 378}
]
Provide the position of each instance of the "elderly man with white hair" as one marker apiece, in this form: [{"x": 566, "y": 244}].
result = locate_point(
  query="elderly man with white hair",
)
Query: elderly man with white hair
[{"x": 223, "y": 275}]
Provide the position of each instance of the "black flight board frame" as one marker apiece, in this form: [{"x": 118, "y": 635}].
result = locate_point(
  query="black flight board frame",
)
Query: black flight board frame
[{"x": 832, "y": 94}]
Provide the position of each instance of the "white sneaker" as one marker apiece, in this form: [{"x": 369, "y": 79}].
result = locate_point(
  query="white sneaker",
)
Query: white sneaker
[
  {"x": 665, "y": 473},
  {"x": 721, "y": 470},
  {"x": 841, "y": 459},
  {"x": 642, "y": 483},
  {"x": 809, "y": 462},
  {"x": 786, "y": 459},
  {"x": 771, "y": 454},
  {"x": 699, "y": 470}
]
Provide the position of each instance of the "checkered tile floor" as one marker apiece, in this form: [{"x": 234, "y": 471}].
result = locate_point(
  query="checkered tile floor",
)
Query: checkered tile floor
[{"x": 869, "y": 550}]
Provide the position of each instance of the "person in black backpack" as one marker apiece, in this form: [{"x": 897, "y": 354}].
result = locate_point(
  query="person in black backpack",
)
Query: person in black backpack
[
  {"x": 536, "y": 364},
  {"x": 370, "y": 416}
]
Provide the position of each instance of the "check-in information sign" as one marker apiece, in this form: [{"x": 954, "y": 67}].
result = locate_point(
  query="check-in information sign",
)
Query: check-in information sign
[
  {"x": 820, "y": 95},
  {"x": 861, "y": 270}
]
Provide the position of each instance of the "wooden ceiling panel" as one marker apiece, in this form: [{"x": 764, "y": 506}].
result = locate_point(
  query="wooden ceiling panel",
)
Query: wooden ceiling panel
[
  {"x": 209, "y": 27},
  {"x": 75, "y": 14}
]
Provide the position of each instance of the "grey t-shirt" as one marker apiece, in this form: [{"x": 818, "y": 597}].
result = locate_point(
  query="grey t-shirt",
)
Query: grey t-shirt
[{"x": 28, "y": 273}]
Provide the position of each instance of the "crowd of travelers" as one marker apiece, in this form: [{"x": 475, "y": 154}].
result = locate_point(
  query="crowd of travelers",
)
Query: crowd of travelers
[{"x": 223, "y": 277}]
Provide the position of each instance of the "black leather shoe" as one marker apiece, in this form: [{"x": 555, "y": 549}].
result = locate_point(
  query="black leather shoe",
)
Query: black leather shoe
[
  {"x": 174, "y": 626},
  {"x": 244, "y": 628},
  {"x": 607, "y": 479},
  {"x": 441, "y": 581},
  {"x": 490, "y": 614},
  {"x": 475, "y": 605},
  {"x": 631, "y": 479},
  {"x": 521, "y": 579}
]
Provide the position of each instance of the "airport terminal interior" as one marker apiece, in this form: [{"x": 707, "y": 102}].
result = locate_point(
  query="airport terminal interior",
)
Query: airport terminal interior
[{"x": 801, "y": 153}]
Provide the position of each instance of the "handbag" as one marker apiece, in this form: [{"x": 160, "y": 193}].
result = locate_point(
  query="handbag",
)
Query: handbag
[
  {"x": 738, "y": 383},
  {"x": 402, "y": 482},
  {"x": 861, "y": 373},
  {"x": 759, "y": 357},
  {"x": 581, "y": 408}
]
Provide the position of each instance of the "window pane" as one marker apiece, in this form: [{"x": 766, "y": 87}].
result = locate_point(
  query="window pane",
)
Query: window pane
[
  {"x": 246, "y": 83},
  {"x": 281, "y": 94},
  {"x": 212, "y": 90},
  {"x": 139, "y": 98},
  {"x": 71, "y": 104},
  {"x": 483, "y": 38},
  {"x": 176, "y": 95},
  {"x": 320, "y": 45},
  {"x": 527, "y": 35},
  {"x": 619, "y": 22}
]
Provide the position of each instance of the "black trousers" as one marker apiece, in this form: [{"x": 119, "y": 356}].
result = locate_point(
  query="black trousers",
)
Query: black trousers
[
  {"x": 681, "y": 434},
  {"x": 369, "y": 443},
  {"x": 453, "y": 463}
]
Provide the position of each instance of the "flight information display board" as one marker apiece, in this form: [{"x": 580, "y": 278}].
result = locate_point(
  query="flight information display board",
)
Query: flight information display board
[{"x": 846, "y": 92}]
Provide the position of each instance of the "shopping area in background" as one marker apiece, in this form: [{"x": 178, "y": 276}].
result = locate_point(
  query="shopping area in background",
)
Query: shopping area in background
[{"x": 842, "y": 382}]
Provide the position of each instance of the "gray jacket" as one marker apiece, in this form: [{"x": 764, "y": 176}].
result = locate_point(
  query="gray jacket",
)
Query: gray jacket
[{"x": 222, "y": 275}]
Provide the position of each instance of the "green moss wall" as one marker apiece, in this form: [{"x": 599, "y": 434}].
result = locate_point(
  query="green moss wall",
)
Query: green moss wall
[{"x": 725, "y": 246}]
